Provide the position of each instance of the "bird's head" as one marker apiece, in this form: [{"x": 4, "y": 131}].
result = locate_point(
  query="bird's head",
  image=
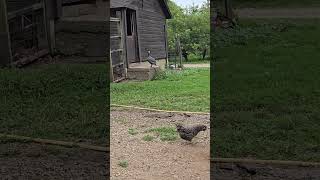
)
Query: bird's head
[{"x": 203, "y": 128}]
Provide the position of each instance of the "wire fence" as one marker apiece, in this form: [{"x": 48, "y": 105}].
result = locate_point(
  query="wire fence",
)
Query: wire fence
[{"x": 175, "y": 55}]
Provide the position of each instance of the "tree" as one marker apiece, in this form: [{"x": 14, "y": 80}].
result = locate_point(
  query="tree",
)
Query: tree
[{"x": 192, "y": 25}]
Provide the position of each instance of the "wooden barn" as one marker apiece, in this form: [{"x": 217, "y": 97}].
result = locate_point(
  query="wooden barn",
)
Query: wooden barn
[
  {"x": 24, "y": 30},
  {"x": 34, "y": 28},
  {"x": 138, "y": 26}
]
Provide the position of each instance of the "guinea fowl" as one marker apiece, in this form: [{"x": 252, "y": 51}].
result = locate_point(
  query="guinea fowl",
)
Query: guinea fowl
[
  {"x": 188, "y": 133},
  {"x": 151, "y": 59}
]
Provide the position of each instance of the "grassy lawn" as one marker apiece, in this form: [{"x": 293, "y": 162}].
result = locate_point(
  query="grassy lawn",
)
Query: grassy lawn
[
  {"x": 266, "y": 91},
  {"x": 61, "y": 102},
  {"x": 274, "y": 3},
  {"x": 187, "y": 90}
]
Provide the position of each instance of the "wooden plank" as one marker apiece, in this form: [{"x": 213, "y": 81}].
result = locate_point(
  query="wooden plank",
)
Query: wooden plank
[
  {"x": 34, "y": 7},
  {"x": 27, "y": 60},
  {"x": 111, "y": 69},
  {"x": 5, "y": 44},
  {"x": 116, "y": 50},
  {"x": 115, "y": 37},
  {"x": 118, "y": 65},
  {"x": 124, "y": 35},
  {"x": 49, "y": 25},
  {"x": 138, "y": 36},
  {"x": 55, "y": 142},
  {"x": 112, "y": 19}
]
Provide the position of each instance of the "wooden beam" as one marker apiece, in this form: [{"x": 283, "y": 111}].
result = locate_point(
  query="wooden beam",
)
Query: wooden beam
[
  {"x": 124, "y": 35},
  {"x": 22, "y": 11},
  {"x": 30, "y": 59},
  {"x": 5, "y": 44},
  {"x": 138, "y": 36},
  {"x": 49, "y": 25},
  {"x": 228, "y": 9}
]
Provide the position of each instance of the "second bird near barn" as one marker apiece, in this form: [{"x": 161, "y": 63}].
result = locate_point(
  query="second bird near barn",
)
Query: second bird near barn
[{"x": 142, "y": 29}]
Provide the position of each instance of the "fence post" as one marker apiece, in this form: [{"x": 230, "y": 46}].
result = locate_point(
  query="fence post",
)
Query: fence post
[{"x": 180, "y": 54}]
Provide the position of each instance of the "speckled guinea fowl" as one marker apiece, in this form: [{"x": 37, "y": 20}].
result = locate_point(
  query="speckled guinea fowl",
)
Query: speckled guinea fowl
[
  {"x": 189, "y": 132},
  {"x": 151, "y": 59}
]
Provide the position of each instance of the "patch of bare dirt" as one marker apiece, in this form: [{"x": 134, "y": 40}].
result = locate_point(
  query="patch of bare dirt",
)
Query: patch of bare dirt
[
  {"x": 279, "y": 13},
  {"x": 157, "y": 159},
  {"x": 36, "y": 161},
  {"x": 251, "y": 171}
]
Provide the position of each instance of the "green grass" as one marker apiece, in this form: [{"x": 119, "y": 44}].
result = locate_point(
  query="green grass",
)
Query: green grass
[
  {"x": 274, "y": 3},
  {"x": 132, "y": 131},
  {"x": 62, "y": 102},
  {"x": 123, "y": 164},
  {"x": 148, "y": 138},
  {"x": 186, "y": 90},
  {"x": 165, "y": 133},
  {"x": 266, "y": 91}
]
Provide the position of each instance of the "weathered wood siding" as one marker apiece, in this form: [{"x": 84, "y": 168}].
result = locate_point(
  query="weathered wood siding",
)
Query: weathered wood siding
[
  {"x": 13, "y": 5},
  {"x": 132, "y": 4},
  {"x": 151, "y": 21}
]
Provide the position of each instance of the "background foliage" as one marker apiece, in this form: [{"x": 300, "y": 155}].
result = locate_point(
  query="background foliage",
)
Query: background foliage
[{"x": 192, "y": 25}]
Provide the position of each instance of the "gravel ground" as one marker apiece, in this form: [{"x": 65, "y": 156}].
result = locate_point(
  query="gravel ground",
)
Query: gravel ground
[
  {"x": 249, "y": 171},
  {"x": 157, "y": 159},
  {"x": 279, "y": 13},
  {"x": 36, "y": 161}
]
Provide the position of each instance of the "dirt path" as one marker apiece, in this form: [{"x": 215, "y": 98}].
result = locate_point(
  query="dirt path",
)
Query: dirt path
[
  {"x": 36, "y": 161},
  {"x": 157, "y": 159},
  {"x": 279, "y": 13},
  {"x": 196, "y": 65}
]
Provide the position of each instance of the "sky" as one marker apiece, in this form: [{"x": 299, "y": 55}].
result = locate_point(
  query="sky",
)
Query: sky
[{"x": 184, "y": 3}]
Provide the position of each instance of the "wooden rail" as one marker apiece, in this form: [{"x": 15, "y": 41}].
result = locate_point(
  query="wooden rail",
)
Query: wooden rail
[
  {"x": 119, "y": 37},
  {"x": 55, "y": 142}
]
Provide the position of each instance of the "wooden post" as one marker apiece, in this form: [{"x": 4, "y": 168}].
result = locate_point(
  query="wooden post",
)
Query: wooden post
[
  {"x": 111, "y": 68},
  {"x": 176, "y": 53},
  {"x": 138, "y": 35},
  {"x": 49, "y": 16},
  {"x": 5, "y": 44},
  {"x": 179, "y": 51},
  {"x": 124, "y": 25},
  {"x": 228, "y": 9},
  {"x": 166, "y": 45}
]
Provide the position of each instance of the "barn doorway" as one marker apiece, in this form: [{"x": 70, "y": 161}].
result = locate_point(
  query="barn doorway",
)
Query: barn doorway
[{"x": 131, "y": 32}]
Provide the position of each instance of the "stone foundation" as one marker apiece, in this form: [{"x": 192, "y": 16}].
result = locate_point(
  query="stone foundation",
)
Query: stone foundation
[
  {"x": 143, "y": 71},
  {"x": 142, "y": 74}
]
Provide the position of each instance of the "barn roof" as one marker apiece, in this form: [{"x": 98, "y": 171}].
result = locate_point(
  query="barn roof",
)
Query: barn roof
[
  {"x": 128, "y": 4},
  {"x": 133, "y": 4}
]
